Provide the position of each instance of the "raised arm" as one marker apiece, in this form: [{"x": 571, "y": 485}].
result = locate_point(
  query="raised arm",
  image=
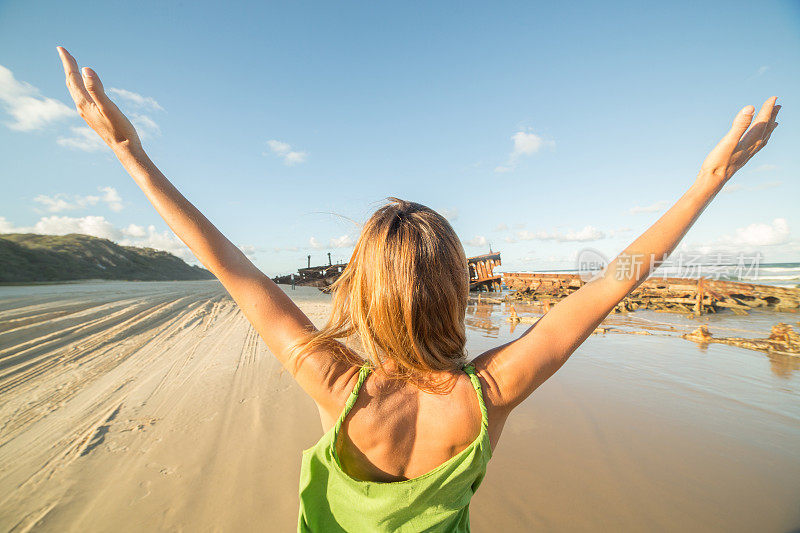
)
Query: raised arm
[
  {"x": 273, "y": 314},
  {"x": 515, "y": 370}
]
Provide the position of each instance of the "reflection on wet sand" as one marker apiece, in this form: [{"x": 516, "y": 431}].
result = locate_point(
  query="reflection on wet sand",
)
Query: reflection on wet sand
[
  {"x": 479, "y": 318},
  {"x": 646, "y": 430},
  {"x": 490, "y": 316},
  {"x": 783, "y": 366}
]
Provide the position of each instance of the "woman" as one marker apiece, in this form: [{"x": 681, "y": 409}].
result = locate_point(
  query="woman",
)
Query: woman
[{"x": 409, "y": 427}]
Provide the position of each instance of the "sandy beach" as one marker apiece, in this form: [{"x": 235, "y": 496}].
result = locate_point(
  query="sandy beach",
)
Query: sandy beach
[{"x": 154, "y": 406}]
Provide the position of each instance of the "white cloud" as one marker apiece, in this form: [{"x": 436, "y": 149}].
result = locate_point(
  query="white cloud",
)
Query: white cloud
[
  {"x": 345, "y": 241},
  {"x": 133, "y": 104},
  {"x": 249, "y": 250},
  {"x": 32, "y": 111},
  {"x": 294, "y": 157},
  {"x": 136, "y": 99},
  {"x": 98, "y": 226},
  {"x": 652, "y": 208},
  {"x": 588, "y": 233},
  {"x": 83, "y": 138},
  {"x": 773, "y": 238},
  {"x": 135, "y": 231},
  {"x": 29, "y": 109},
  {"x": 60, "y": 202},
  {"x": 7, "y": 227},
  {"x": 160, "y": 240},
  {"x": 526, "y": 143},
  {"x": 112, "y": 198},
  {"x": 477, "y": 240},
  {"x": 145, "y": 126},
  {"x": 761, "y": 234},
  {"x": 501, "y": 227},
  {"x": 284, "y": 151}
]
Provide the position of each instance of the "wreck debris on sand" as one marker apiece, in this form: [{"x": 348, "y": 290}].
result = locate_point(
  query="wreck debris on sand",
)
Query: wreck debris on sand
[
  {"x": 782, "y": 340},
  {"x": 677, "y": 295}
]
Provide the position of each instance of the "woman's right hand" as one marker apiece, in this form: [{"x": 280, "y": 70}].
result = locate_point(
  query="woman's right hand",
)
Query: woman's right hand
[
  {"x": 737, "y": 147},
  {"x": 96, "y": 108}
]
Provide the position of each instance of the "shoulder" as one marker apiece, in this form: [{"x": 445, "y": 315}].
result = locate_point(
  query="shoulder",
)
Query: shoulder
[
  {"x": 488, "y": 374},
  {"x": 329, "y": 381},
  {"x": 497, "y": 406}
]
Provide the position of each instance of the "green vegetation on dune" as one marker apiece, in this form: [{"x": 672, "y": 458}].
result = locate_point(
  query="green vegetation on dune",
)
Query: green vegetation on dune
[{"x": 29, "y": 257}]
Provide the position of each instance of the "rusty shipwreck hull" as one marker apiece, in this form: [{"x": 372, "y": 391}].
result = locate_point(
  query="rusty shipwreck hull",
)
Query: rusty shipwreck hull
[
  {"x": 481, "y": 272},
  {"x": 697, "y": 296}
]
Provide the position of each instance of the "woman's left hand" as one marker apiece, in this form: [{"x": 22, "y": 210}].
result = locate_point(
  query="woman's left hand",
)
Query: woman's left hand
[{"x": 94, "y": 106}]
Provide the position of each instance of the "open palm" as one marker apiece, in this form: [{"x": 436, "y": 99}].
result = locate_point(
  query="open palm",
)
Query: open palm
[
  {"x": 740, "y": 143},
  {"x": 95, "y": 107}
]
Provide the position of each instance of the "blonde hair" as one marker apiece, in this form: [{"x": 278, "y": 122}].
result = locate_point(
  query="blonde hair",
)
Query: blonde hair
[{"x": 404, "y": 295}]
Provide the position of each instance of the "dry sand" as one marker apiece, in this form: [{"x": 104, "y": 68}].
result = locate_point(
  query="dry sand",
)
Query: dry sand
[{"x": 155, "y": 406}]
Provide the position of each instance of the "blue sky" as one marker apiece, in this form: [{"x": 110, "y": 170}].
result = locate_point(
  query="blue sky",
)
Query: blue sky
[{"x": 537, "y": 128}]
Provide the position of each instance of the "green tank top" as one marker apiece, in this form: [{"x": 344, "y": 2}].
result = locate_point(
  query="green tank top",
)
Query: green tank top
[{"x": 333, "y": 501}]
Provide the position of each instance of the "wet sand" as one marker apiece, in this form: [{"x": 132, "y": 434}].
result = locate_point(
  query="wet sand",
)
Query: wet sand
[{"x": 155, "y": 406}]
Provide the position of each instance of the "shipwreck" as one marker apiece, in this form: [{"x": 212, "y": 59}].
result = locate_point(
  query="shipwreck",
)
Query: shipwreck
[
  {"x": 321, "y": 276},
  {"x": 481, "y": 274}
]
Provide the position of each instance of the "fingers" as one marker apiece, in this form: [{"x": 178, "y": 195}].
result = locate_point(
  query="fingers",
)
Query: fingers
[
  {"x": 753, "y": 140},
  {"x": 756, "y": 138},
  {"x": 775, "y": 113},
  {"x": 761, "y": 127},
  {"x": 740, "y": 124},
  {"x": 74, "y": 81},
  {"x": 95, "y": 89},
  {"x": 765, "y": 113},
  {"x": 772, "y": 124},
  {"x": 771, "y": 128}
]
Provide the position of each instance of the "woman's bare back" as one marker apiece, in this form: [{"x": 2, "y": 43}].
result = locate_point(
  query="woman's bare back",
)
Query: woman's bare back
[{"x": 396, "y": 431}]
